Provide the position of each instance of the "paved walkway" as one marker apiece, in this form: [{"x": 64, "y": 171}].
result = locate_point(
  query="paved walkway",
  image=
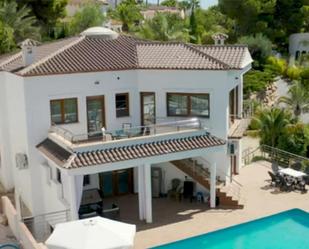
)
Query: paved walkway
[{"x": 261, "y": 200}]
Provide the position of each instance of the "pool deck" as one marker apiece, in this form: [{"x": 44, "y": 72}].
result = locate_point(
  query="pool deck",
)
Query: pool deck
[{"x": 178, "y": 220}]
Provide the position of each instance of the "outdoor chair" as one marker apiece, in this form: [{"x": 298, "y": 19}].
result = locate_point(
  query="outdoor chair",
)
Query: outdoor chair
[
  {"x": 275, "y": 167},
  {"x": 176, "y": 191},
  {"x": 275, "y": 180},
  {"x": 297, "y": 166},
  {"x": 306, "y": 178},
  {"x": 301, "y": 185},
  {"x": 285, "y": 184}
]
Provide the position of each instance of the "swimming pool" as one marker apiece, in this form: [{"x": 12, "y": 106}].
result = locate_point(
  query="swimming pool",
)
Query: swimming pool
[{"x": 286, "y": 230}]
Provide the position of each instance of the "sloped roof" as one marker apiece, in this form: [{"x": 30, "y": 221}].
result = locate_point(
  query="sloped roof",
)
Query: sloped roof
[
  {"x": 232, "y": 55},
  {"x": 117, "y": 154},
  {"x": 90, "y": 54}
]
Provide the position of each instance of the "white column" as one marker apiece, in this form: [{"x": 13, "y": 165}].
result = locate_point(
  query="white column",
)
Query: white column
[
  {"x": 148, "y": 193},
  {"x": 239, "y": 156},
  {"x": 73, "y": 198},
  {"x": 240, "y": 95},
  {"x": 213, "y": 170},
  {"x": 141, "y": 192}
]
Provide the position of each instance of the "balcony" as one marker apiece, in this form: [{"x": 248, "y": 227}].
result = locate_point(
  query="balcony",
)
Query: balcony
[
  {"x": 238, "y": 124},
  {"x": 163, "y": 129}
]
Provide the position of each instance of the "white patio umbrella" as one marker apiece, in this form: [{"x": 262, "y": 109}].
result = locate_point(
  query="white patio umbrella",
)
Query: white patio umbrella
[{"x": 93, "y": 233}]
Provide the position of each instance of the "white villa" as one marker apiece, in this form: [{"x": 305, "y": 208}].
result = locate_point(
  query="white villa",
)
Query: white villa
[{"x": 125, "y": 116}]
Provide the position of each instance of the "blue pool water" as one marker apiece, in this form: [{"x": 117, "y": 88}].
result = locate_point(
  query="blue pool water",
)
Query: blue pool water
[{"x": 286, "y": 230}]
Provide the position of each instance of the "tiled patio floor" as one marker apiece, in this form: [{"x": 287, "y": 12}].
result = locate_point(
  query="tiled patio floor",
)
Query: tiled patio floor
[{"x": 174, "y": 220}]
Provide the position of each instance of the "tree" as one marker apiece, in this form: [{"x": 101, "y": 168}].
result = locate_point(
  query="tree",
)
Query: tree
[
  {"x": 184, "y": 5},
  {"x": 164, "y": 27},
  {"x": 295, "y": 139},
  {"x": 194, "y": 37},
  {"x": 128, "y": 12},
  {"x": 277, "y": 19},
  {"x": 19, "y": 20},
  {"x": 169, "y": 3},
  {"x": 46, "y": 11},
  {"x": 90, "y": 15},
  {"x": 7, "y": 42},
  {"x": 298, "y": 99},
  {"x": 260, "y": 47},
  {"x": 256, "y": 14},
  {"x": 271, "y": 124}
]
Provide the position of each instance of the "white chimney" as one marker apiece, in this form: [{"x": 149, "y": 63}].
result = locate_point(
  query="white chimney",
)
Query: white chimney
[
  {"x": 219, "y": 38},
  {"x": 28, "y": 48}
]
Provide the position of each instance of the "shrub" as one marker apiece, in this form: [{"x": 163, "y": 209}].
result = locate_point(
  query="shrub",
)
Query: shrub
[
  {"x": 295, "y": 139},
  {"x": 257, "y": 81},
  {"x": 293, "y": 73},
  {"x": 277, "y": 65}
]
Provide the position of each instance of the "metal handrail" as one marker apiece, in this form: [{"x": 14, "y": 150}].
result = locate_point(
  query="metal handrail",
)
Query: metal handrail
[
  {"x": 233, "y": 186},
  {"x": 136, "y": 131},
  {"x": 273, "y": 154}
]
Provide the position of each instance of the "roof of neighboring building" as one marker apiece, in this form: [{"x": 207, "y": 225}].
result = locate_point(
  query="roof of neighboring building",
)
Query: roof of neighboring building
[
  {"x": 91, "y": 54},
  {"x": 65, "y": 159}
]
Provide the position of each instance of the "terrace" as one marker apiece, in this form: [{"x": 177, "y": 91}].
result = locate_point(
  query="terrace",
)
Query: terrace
[{"x": 162, "y": 130}]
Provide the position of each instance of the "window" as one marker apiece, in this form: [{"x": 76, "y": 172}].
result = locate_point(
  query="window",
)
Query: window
[
  {"x": 188, "y": 104},
  {"x": 63, "y": 111},
  {"x": 122, "y": 105}
]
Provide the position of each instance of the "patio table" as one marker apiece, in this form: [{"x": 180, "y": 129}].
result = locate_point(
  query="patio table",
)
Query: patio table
[{"x": 292, "y": 172}]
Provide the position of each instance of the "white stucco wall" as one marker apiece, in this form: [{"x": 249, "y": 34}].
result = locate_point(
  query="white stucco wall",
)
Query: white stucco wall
[
  {"x": 15, "y": 136},
  {"x": 298, "y": 42},
  {"x": 28, "y": 106}
]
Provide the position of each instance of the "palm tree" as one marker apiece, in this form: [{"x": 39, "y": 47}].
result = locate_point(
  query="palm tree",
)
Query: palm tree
[
  {"x": 271, "y": 123},
  {"x": 298, "y": 99},
  {"x": 128, "y": 12},
  {"x": 164, "y": 27},
  {"x": 20, "y": 20}
]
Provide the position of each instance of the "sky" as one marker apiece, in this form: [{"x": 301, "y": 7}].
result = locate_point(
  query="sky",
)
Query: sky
[{"x": 206, "y": 3}]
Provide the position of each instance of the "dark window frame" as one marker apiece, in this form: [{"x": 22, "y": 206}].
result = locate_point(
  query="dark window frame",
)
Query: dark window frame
[
  {"x": 62, "y": 106},
  {"x": 189, "y": 104},
  {"x": 126, "y": 111}
]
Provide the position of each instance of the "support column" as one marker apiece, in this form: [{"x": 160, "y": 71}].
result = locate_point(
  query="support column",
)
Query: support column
[
  {"x": 141, "y": 195},
  {"x": 73, "y": 198},
  {"x": 240, "y": 96},
  {"x": 239, "y": 156},
  {"x": 148, "y": 193},
  {"x": 213, "y": 170}
]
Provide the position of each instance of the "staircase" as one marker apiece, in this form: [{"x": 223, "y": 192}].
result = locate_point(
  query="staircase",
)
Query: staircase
[{"x": 229, "y": 195}]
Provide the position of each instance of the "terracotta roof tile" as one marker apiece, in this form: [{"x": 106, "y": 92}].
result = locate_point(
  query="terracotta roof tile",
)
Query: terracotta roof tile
[
  {"x": 118, "y": 154},
  {"x": 90, "y": 54},
  {"x": 232, "y": 55}
]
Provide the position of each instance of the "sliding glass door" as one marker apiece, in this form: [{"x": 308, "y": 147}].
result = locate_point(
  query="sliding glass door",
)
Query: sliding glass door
[
  {"x": 95, "y": 115},
  {"x": 148, "y": 108}
]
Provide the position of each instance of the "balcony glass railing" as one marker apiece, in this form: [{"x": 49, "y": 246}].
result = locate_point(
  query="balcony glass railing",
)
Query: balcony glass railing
[{"x": 161, "y": 127}]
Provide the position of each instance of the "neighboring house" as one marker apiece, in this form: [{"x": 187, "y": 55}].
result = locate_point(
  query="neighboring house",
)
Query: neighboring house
[
  {"x": 299, "y": 44},
  {"x": 74, "y": 6},
  {"x": 87, "y": 110},
  {"x": 151, "y": 10}
]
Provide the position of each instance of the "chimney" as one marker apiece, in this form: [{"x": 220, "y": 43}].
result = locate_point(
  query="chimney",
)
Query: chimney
[
  {"x": 28, "y": 48},
  {"x": 219, "y": 38}
]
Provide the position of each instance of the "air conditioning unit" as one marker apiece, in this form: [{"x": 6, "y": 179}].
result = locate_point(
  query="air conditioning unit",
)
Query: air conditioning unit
[
  {"x": 21, "y": 161},
  {"x": 232, "y": 148}
]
